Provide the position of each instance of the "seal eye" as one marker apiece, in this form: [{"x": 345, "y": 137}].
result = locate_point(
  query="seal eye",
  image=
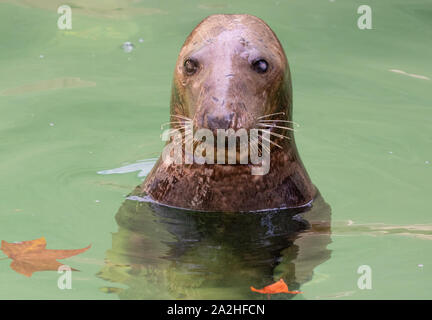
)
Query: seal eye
[
  {"x": 190, "y": 66},
  {"x": 260, "y": 66}
]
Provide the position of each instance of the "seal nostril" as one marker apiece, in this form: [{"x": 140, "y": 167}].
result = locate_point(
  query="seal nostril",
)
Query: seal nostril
[{"x": 219, "y": 122}]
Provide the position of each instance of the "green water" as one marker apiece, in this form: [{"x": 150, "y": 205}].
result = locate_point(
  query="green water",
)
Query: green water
[{"x": 74, "y": 103}]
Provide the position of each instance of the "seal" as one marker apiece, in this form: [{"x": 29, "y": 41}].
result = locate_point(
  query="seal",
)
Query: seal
[{"x": 232, "y": 73}]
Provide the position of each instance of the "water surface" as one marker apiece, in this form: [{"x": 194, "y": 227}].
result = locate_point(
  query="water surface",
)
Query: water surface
[{"x": 74, "y": 103}]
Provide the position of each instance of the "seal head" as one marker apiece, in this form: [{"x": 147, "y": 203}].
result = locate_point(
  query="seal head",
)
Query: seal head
[{"x": 232, "y": 73}]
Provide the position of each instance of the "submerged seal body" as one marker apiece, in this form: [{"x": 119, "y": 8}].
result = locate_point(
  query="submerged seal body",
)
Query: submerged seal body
[{"x": 232, "y": 73}]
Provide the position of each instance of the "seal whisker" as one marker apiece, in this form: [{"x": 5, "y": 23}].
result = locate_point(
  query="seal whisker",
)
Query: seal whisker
[
  {"x": 170, "y": 130},
  {"x": 169, "y": 123},
  {"x": 253, "y": 146},
  {"x": 272, "y": 142},
  {"x": 190, "y": 138},
  {"x": 182, "y": 117},
  {"x": 263, "y": 147},
  {"x": 272, "y": 114},
  {"x": 287, "y": 121},
  {"x": 189, "y": 131},
  {"x": 277, "y": 135},
  {"x": 273, "y": 126}
]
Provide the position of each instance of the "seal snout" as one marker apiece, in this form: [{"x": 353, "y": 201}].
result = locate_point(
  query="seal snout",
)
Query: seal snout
[{"x": 223, "y": 121}]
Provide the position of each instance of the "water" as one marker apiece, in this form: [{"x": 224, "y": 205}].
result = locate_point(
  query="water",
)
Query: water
[
  {"x": 175, "y": 254},
  {"x": 73, "y": 104}
]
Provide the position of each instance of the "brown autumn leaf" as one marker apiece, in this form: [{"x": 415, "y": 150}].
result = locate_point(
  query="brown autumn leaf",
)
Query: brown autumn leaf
[
  {"x": 277, "y": 287},
  {"x": 31, "y": 256}
]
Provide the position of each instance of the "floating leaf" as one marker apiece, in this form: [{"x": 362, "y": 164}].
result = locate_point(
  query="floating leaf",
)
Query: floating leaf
[
  {"x": 31, "y": 256},
  {"x": 277, "y": 287}
]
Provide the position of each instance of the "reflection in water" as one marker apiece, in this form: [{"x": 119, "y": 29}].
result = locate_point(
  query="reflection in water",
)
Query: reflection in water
[{"x": 166, "y": 253}]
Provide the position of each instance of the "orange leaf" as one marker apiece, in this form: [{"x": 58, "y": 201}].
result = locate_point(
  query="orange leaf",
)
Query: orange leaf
[
  {"x": 277, "y": 287},
  {"x": 31, "y": 256}
]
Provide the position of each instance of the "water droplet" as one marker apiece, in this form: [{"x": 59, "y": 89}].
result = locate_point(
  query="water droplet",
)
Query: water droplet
[
  {"x": 141, "y": 40},
  {"x": 427, "y": 162},
  {"x": 97, "y": 201},
  {"x": 51, "y": 124},
  {"x": 41, "y": 56},
  {"x": 390, "y": 152},
  {"x": 420, "y": 265},
  {"x": 127, "y": 46}
]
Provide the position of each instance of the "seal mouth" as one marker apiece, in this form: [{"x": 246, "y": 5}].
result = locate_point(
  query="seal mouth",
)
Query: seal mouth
[{"x": 229, "y": 145}]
